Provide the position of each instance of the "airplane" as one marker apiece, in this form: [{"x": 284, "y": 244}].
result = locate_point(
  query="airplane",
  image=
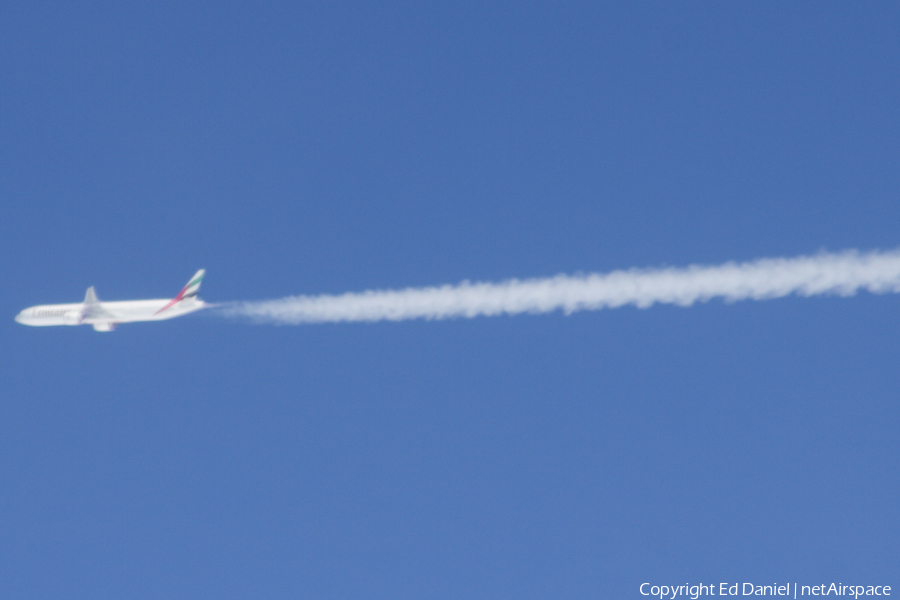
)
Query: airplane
[{"x": 104, "y": 316}]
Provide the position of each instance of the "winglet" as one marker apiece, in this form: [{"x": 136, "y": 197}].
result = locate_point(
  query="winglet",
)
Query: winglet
[
  {"x": 90, "y": 298},
  {"x": 92, "y": 307},
  {"x": 189, "y": 291}
]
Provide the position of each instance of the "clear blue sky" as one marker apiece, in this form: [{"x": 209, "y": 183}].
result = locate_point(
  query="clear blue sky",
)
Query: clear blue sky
[{"x": 338, "y": 146}]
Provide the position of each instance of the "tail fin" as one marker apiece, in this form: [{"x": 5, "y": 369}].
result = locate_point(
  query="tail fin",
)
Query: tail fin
[
  {"x": 193, "y": 286},
  {"x": 189, "y": 291}
]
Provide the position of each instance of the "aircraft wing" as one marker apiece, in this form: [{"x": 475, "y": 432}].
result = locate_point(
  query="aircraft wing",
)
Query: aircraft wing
[{"x": 92, "y": 307}]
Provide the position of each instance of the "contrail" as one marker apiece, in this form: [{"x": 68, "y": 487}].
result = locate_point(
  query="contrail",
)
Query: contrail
[{"x": 841, "y": 274}]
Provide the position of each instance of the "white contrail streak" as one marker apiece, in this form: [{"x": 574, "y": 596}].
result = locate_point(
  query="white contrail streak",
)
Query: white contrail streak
[{"x": 841, "y": 274}]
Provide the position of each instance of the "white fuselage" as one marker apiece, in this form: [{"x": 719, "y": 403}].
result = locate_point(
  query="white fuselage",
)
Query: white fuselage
[{"x": 114, "y": 313}]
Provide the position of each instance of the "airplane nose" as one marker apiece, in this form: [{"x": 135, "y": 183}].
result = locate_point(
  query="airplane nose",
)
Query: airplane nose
[{"x": 20, "y": 318}]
